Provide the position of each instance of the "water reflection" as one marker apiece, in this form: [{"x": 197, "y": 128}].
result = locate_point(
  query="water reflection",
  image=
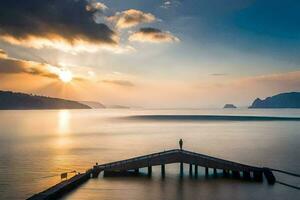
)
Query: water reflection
[
  {"x": 63, "y": 128},
  {"x": 64, "y": 122},
  {"x": 51, "y": 142}
]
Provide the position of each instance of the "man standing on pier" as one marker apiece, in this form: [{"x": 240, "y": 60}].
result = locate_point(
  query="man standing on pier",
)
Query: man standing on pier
[{"x": 180, "y": 144}]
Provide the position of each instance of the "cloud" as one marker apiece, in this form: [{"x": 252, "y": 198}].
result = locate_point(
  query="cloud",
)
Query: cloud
[
  {"x": 62, "y": 44},
  {"x": 119, "y": 82},
  {"x": 12, "y": 66},
  {"x": 268, "y": 82},
  {"x": 2, "y": 54},
  {"x": 170, "y": 3},
  {"x": 94, "y": 5},
  {"x": 55, "y": 24},
  {"x": 152, "y": 35},
  {"x": 130, "y": 18},
  {"x": 218, "y": 74},
  {"x": 18, "y": 66},
  {"x": 288, "y": 81},
  {"x": 98, "y": 10}
]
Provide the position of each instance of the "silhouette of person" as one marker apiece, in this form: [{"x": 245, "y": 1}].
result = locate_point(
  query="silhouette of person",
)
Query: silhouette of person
[{"x": 180, "y": 143}]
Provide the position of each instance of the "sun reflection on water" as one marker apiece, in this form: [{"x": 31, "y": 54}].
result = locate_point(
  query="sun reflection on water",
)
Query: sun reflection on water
[
  {"x": 63, "y": 128},
  {"x": 64, "y": 122}
]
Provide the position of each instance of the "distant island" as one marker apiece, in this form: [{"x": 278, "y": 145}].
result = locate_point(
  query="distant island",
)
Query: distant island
[
  {"x": 118, "y": 107},
  {"x": 229, "y": 106},
  {"x": 93, "y": 104},
  {"x": 21, "y": 101},
  {"x": 283, "y": 100}
]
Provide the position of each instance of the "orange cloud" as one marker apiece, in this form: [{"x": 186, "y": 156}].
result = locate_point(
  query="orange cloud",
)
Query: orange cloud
[
  {"x": 11, "y": 66},
  {"x": 3, "y": 54},
  {"x": 15, "y": 66},
  {"x": 130, "y": 18},
  {"x": 54, "y": 41},
  {"x": 153, "y": 35}
]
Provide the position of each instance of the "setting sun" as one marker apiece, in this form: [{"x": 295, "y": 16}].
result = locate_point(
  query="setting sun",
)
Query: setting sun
[{"x": 65, "y": 76}]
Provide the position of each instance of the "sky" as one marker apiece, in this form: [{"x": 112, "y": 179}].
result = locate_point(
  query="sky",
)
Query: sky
[{"x": 151, "y": 53}]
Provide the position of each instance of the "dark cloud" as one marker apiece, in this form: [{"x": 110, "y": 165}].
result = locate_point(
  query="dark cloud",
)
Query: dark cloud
[
  {"x": 150, "y": 30},
  {"x": 67, "y": 19},
  {"x": 119, "y": 82},
  {"x": 153, "y": 35},
  {"x": 15, "y": 66},
  {"x": 8, "y": 66}
]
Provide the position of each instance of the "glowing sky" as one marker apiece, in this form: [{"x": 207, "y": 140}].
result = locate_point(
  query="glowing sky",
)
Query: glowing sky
[{"x": 151, "y": 53}]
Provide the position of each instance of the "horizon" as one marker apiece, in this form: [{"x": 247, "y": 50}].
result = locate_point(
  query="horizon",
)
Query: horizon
[
  {"x": 150, "y": 108},
  {"x": 151, "y": 54}
]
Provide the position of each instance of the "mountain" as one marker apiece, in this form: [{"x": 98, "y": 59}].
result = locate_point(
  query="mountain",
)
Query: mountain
[
  {"x": 93, "y": 104},
  {"x": 21, "y": 101},
  {"x": 283, "y": 100},
  {"x": 229, "y": 106}
]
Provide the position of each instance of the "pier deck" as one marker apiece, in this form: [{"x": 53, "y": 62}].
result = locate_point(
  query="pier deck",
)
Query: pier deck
[
  {"x": 176, "y": 156},
  {"x": 161, "y": 158},
  {"x": 61, "y": 188}
]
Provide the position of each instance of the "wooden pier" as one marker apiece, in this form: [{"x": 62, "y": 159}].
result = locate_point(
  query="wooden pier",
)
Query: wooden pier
[
  {"x": 132, "y": 166},
  {"x": 63, "y": 187}
]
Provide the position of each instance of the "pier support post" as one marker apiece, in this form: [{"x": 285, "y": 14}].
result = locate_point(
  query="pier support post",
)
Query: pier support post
[
  {"x": 163, "y": 171},
  {"x": 235, "y": 174},
  {"x": 225, "y": 173},
  {"x": 181, "y": 169},
  {"x": 149, "y": 171},
  {"x": 191, "y": 170},
  {"x": 137, "y": 170},
  {"x": 215, "y": 172},
  {"x": 95, "y": 171},
  {"x": 246, "y": 175},
  {"x": 206, "y": 171},
  {"x": 258, "y": 176},
  {"x": 196, "y": 171},
  {"x": 270, "y": 176}
]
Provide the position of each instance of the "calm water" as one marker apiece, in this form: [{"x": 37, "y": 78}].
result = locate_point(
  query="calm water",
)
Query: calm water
[{"x": 36, "y": 146}]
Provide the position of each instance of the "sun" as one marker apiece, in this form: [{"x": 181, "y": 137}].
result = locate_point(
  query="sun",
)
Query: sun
[{"x": 65, "y": 76}]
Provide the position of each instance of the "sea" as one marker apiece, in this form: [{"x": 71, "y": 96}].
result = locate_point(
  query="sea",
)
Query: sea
[{"x": 36, "y": 146}]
